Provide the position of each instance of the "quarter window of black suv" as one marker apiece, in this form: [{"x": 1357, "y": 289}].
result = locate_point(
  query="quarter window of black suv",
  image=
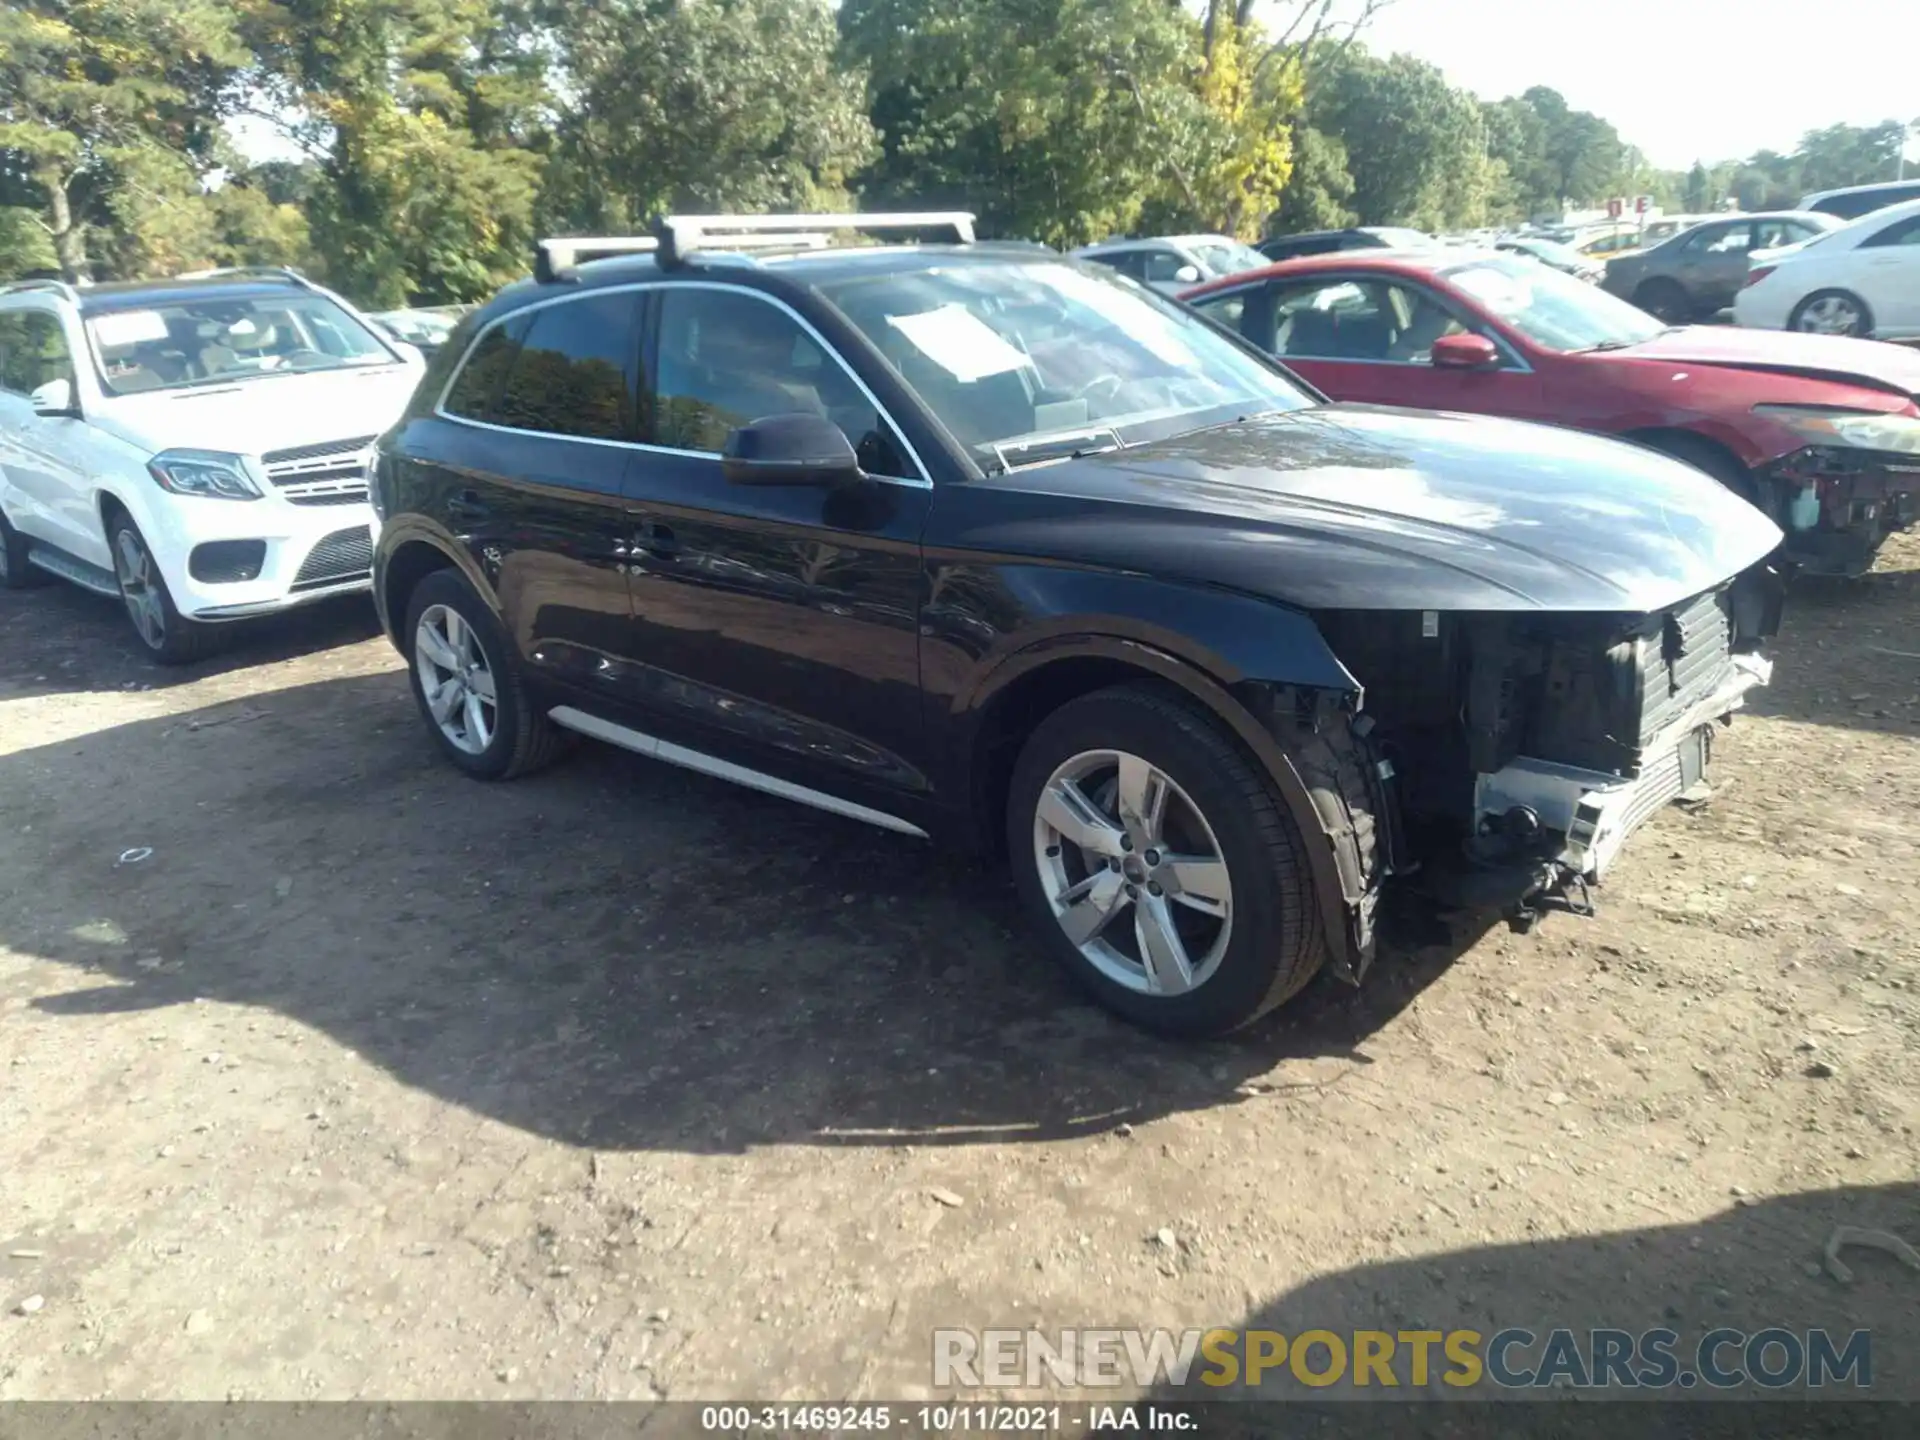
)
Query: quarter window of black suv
[
  {"x": 470, "y": 397},
  {"x": 728, "y": 358},
  {"x": 574, "y": 372}
]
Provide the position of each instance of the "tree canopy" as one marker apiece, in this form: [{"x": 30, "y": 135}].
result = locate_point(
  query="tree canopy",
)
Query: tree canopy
[{"x": 434, "y": 139}]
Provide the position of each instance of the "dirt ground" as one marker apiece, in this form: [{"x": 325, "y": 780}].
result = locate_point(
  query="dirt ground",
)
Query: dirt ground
[{"x": 325, "y": 1072}]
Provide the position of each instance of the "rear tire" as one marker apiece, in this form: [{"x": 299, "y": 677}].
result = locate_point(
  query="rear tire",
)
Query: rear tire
[
  {"x": 168, "y": 637},
  {"x": 1665, "y": 300},
  {"x": 1222, "y": 870},
  {"x": 468, "y": 688},
  {"x": 1832, "y": 312},
  {"x": 16, "y": 571}
]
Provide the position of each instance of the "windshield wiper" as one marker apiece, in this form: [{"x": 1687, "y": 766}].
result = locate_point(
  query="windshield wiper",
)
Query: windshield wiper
[
  {"x": 1013, "y": 454},
  {"x": 1606, "y": 345}
]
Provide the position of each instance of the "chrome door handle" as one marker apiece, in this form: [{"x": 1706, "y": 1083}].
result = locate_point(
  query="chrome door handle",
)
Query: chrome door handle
[{"x": 655, "y": 539}]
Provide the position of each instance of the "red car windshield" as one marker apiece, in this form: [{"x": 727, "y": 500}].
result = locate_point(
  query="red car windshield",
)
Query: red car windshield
[{"x": 1554, "y": 311}]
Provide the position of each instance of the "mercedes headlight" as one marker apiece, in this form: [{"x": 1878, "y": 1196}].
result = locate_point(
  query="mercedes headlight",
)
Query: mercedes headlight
[
  {"x": 206, "y": 474},
  {"x": 1851, "y": 429}
]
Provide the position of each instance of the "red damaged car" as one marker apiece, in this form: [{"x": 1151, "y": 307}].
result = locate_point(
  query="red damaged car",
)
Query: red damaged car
[{"x": 1820, "y": 432}]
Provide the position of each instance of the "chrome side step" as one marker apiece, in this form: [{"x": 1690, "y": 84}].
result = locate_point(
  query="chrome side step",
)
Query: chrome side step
[
  {"x": 69, "y": 567},
  {"x": 658, "y": 749}
]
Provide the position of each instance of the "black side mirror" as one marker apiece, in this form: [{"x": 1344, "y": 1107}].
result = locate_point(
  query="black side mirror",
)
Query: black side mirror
[{"x": 797, "y": 449}]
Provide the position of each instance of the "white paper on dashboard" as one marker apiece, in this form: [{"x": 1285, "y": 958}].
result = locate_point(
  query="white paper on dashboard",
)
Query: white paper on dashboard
[
  {"x": 129, "y": 327},
  {"x": 959, "y": 342}
]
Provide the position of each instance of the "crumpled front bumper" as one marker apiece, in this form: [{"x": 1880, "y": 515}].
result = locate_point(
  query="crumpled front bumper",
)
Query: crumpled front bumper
[
  {"x": 1593, "y": 812},
  {"x": 1839, "y": 506}
]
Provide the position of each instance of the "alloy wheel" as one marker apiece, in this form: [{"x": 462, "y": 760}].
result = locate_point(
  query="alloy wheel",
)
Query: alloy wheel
[
  {"x": 140, "y": 588},
  {"x": 1133, "y": 872},
  {"x": 1832, "y": 315},
  {"x": 455, "y": 679}
]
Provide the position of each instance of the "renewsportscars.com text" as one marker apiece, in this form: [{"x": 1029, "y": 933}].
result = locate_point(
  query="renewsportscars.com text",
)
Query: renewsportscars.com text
[{"x": 1774, "y": 1359}]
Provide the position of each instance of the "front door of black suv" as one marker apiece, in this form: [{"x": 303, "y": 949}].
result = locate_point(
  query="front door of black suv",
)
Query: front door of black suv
[{"x": 782, "y": 621}]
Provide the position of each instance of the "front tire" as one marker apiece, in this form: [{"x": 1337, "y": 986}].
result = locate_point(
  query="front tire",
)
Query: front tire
[
  {"x": 1832, "y": 312},
  {"x": 1158, "y": 864},
  {"x": 467, "y": 687},
  {"x": 168, "y": 637}
]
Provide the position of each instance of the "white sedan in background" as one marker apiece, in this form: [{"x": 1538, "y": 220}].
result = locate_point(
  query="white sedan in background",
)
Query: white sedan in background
[{"x": 1862, "y": 279}]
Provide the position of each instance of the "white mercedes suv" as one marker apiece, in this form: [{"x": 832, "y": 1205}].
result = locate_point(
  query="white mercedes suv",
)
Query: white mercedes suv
[{"x": 197, "y": 447}]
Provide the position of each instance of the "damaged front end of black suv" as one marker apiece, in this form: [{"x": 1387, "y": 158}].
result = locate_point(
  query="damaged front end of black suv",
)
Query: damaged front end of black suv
[
  {"x": 1515, "y": 753},
  {"x": 1539, "y": 633}
]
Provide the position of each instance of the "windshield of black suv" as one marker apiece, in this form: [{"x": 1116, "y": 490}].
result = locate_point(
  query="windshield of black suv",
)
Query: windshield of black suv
[
  {"x": 1010, "y": 356},
  {"x": 1555, "y": 311},
  {"x": 218, "y": 340}
]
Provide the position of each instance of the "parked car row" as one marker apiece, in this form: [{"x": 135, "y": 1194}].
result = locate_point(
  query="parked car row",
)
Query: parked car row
[
  {"x": 1696, "y": 274},
  {"x": 1821, "y": 433},
  {"x": 1860, "y": 279},
  {"x": 980, "y": 543}
]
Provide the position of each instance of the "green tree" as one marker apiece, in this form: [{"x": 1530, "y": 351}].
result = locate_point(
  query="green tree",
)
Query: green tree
[
  {"x": 1406, "y": 132},
  {"x": 420, "y": 118},
  {"x": 1226, "y": 137},
  {"x": 1056, "y": 119},
  {"x": 1698, "y": 186},
  {"x": 110, "y": 109},
  {"x": 702, "y": 105},
  {"x": 1583, "y": 153},
  {"x": 1321, "y": 186},
  {"x": 1843, "y": 155}
]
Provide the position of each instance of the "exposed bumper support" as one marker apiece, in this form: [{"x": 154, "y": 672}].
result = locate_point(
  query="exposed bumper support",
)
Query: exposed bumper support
[{"x": 1594, "y": 811}]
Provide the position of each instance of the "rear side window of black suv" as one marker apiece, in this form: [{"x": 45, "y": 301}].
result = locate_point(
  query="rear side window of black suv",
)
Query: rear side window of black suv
[
  {"x": 574, "y": 372},
  {"x": 470, "y": 396}
]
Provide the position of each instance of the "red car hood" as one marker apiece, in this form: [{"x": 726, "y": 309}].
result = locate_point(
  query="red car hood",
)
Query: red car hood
[{"x": 1872, "y": 363}]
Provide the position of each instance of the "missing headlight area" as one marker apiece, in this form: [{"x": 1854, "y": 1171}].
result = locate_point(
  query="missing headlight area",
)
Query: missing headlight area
[{"x": 1525, "y": 749}]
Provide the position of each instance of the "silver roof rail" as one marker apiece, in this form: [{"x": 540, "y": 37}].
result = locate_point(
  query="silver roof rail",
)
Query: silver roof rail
[
  {"x": 682, "y": 235},
  {"x": 232, "y": 272},
  {"x": 559, "y": 257},
  {"x": 59, "y": 287}
]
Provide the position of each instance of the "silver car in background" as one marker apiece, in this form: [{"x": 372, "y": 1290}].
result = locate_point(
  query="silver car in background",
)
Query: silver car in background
[{"x": 1170, "y": 263}]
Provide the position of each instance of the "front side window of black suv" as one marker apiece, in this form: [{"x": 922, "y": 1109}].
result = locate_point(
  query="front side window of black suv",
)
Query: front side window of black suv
[{"x": 728, "y": 358}]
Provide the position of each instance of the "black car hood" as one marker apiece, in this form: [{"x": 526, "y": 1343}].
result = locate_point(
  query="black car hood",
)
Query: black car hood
[{"x": 1366, "y": 507}]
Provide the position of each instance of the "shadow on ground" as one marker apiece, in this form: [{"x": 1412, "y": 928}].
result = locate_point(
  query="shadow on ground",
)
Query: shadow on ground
[
  {"x": 614, "y": 953},
  {"x": 57, "y": 639},
  {"x": 1749, "y": 1268}
]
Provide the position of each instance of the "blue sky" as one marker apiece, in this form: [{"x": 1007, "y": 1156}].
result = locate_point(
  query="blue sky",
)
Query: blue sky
[{"x": 1681, "y": 79}]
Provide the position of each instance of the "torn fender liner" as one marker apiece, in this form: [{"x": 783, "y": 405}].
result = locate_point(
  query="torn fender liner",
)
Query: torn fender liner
[{"x": 1347, "y": 781}]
